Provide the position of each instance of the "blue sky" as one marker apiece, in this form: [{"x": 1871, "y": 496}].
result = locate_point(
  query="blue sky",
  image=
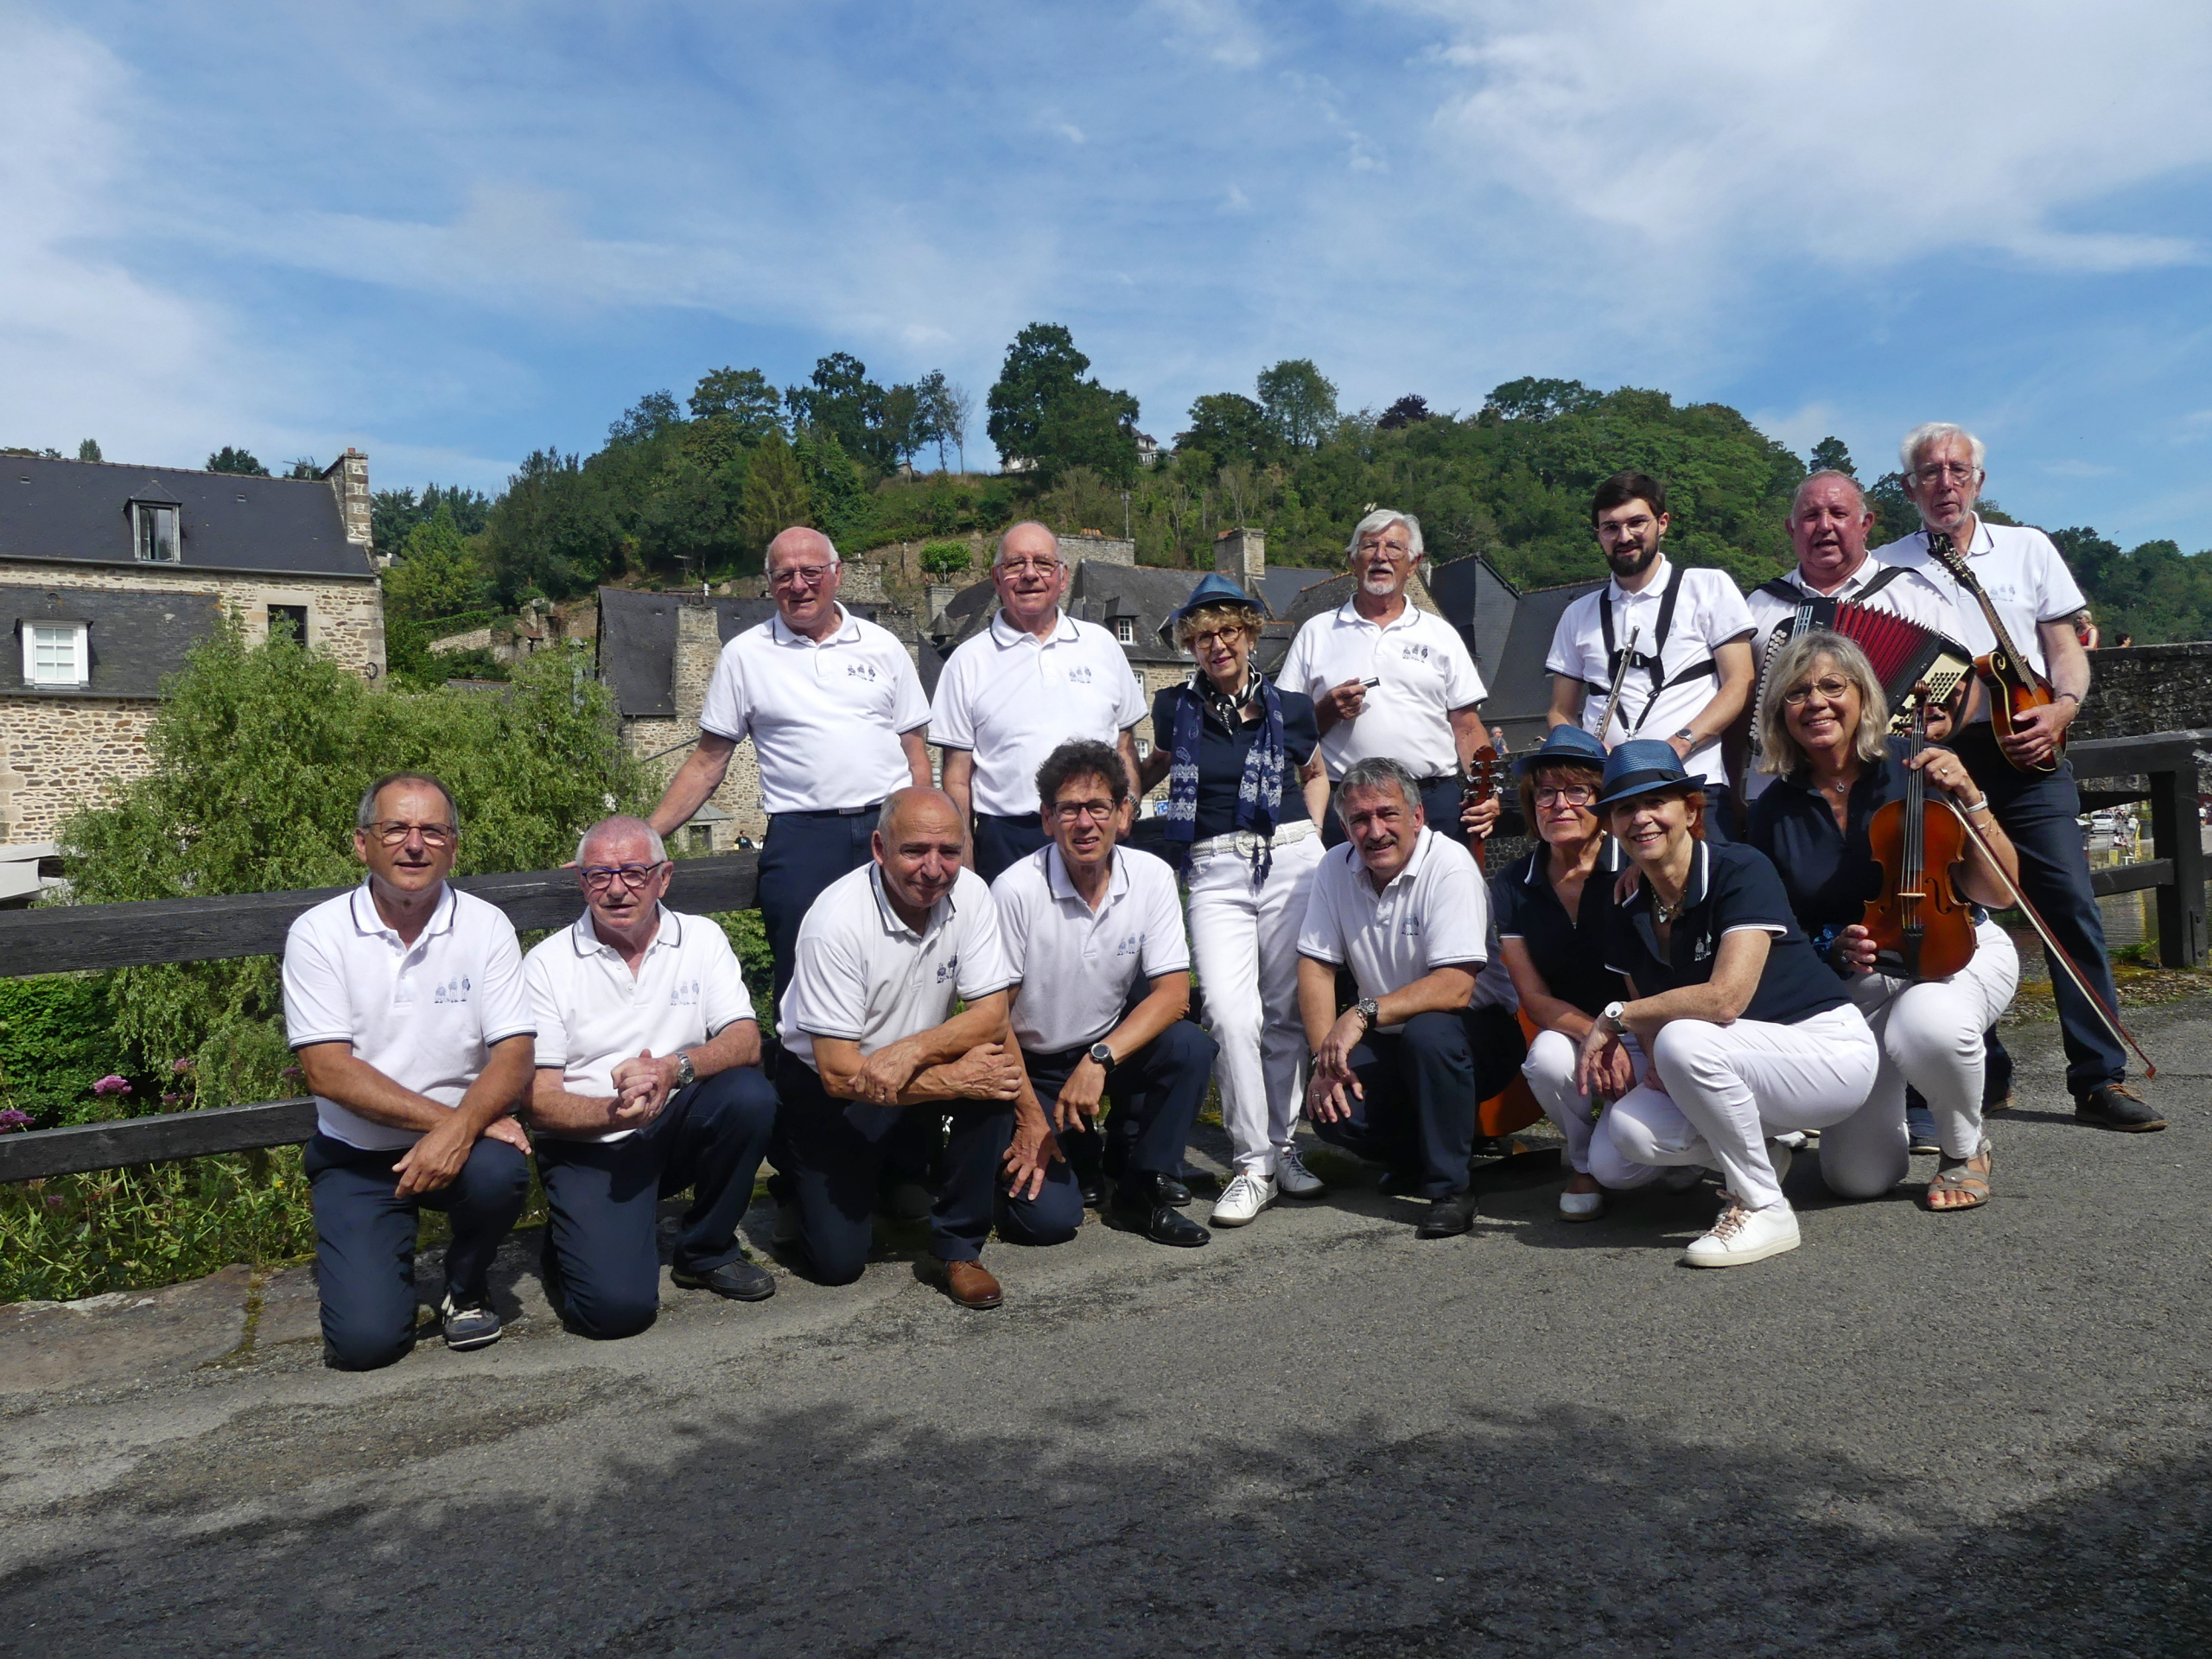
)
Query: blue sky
[{"x": 449, "y": 234}]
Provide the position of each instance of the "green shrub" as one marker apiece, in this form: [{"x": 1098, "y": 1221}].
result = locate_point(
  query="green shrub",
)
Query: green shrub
[
  {"x": 944, "y": 558},
  {"x": 54, "y": 1043}
]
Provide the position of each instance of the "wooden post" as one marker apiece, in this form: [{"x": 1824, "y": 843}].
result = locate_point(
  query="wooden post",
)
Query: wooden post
[{"x": 2180, "y": 839}]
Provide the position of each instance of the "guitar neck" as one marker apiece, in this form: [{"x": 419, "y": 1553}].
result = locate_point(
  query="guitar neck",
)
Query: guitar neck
[{"x": 1954, "y": 561}]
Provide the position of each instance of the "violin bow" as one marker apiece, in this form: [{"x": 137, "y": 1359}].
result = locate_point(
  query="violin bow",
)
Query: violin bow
[{"x": 2120, "y": 1032}]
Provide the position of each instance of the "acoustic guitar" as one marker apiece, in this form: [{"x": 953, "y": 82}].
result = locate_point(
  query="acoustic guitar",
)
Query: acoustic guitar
[{"x": 2014, "y": 685}]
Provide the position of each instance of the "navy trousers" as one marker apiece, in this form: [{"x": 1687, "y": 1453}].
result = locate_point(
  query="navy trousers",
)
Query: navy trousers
[
  {"x": 1719, "y": 813},
  {"x": 801, "y": 854},
  {"x": 837, "y": 1149},
  {"x": 602, "y": 1234},
  {"x": 1154, "y": 1095},
  {"x": 2038, "y": 813},
  {"x": 1001, "y": 843},
  {"x": 365, "y": 1242},
  {"x": 1439, "y": 800},
  {"x": 1421, "y": 1085}
]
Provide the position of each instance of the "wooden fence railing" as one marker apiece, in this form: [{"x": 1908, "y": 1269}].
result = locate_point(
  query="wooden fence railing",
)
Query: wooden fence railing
[{"x": 71, "y": 937}]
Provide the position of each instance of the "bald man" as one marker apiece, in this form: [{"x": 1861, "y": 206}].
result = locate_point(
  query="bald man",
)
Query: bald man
[
  {"x": 836, "y": 716},
  {"x": 870, "y": 1035}
]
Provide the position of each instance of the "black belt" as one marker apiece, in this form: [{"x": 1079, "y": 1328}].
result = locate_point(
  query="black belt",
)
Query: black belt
[{"x": 831, "y": 811}]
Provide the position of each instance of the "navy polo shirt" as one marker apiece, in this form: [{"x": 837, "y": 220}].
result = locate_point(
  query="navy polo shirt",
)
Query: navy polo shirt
[
  {"x": 1569, "y": 955},
  {"x": 1222, "y": 752},
  {"x": 1731, "y": 887}
]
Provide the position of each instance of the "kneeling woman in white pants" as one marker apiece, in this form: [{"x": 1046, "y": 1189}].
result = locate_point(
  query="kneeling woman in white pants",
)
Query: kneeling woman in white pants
[
  {"x": 1821, "y": 730},
  {"x": 1750, "y": 1034},
  {"x": 1245, "y": 790}
]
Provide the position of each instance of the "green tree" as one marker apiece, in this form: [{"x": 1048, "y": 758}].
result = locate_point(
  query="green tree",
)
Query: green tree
[
  {"x": 941, "y": 413},
  {"x": 942, "y": 559},
  {"x": 304, "y": 469},
  {"x": 1830, "y": 455},
  {"x": 1300, "y": 403},
  {"x": 1231, "y": 428},
  {"x": 741, "y": 397},
  {"x": 436, "y": 572},
  {"x": 837, "y": 497},
  {"x": 905, "y": 429},
  {"x": 841, "y": 400},
  {"x": 1408, "y": 411},
  {"x": 776, "y": 494},
  {"x": 1532, "y": 399},
  {"x": 1045, "y": 412},
  {"x": 89, "y": 450},
  {"x": 646, "y": 419},
  {"x": 228, "y": 460}
]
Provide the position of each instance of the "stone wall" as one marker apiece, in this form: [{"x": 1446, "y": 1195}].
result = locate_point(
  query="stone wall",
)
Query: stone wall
[{"x": 59, "y": 754}]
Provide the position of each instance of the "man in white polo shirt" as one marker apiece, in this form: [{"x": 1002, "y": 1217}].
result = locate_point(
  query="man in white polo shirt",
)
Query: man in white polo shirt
[
  {"x": 1094, "y": 936},
  {"x": 1034, "y": 677},
  {"x": 405, "y": 1001},
  {"x": 1387, "y": 678},
  {"x": 1828, "y": 522},
  {"x": 1689, "y": 674},
  {"x": 1396, "y": 1077},
  {"x": 869, "y": 1035},
  {"x": 648, "y": 1083},
  {"x": 836, "y": 713},
  {"x": 2035, "y": 595}
]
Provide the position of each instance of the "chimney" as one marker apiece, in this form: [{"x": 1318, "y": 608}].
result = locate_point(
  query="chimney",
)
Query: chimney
[
  {"x": 698, "y": 645},
  {"x": 348, "y": 477},
  {"x": 1242, "y": 556}
]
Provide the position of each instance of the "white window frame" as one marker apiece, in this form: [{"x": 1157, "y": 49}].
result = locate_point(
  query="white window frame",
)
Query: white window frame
[
  {"x": 75, "y": 675},
  {"x": 1125, "y": 630},
  {"x": 139, "y": 512}
]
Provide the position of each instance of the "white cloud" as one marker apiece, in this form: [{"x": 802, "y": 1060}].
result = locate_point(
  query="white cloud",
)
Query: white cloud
[{"x": 1217, "y": 29}]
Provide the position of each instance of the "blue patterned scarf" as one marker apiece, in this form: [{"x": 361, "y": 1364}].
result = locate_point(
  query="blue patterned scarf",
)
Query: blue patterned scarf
[{"x": 1260, "y": 791}]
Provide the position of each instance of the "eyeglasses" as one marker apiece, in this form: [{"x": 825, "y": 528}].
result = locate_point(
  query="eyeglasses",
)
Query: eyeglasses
[
  {"x": 599, "y": 877},
  {"x": 1573, "y": 794},
  {"x": 1388, "y": 550},
  {"x": 1097, "y": 811},
  {"x": 1959, "y": 472},
  {"x": 794, "y": 576},
  {"x": 393, "y": 833},
  {"x": 1023, "y": 567},
  {"x": 1831, "y": 690},
  {"x": 1212, "y": 637}
]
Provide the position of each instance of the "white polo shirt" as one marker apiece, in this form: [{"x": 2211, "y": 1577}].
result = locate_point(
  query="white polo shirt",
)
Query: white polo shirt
[
  {"x": 1426, "y": 673},
  {"x": 426, "y": 1015},
  {"x": 862, "y": 974},
  {"x": 1434, "y": 913},
  {"x": 592, "y": 1013},
  {"x": 1709, "y": 614},
  {"x": 1012, "y": 698},
  {"x": 825, "y": 719},
  {"x": 1919, "y": 592},
  {"x": 2025, "y": 576},
  {"x": 1077, "y": 968}
]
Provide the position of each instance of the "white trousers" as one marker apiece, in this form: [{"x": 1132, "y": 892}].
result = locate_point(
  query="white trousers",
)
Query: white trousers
[
  {"x": 1728, "y": 1087},
  {"x": 1930, "y": 1032},
  {"x": 1550, "y": 1070},
  {"x": 1244, "y": 942}
]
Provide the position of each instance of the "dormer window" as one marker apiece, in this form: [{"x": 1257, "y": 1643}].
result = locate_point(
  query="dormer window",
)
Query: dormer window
[
  {"x": 56, "y": 654},
  {"x": 1125, "y": 630},
  {"x": 154, "y": 530}
]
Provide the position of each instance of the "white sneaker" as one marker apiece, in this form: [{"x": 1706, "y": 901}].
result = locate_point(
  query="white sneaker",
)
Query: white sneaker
[
  {"x": 1742, "y": 1236},
  {"x": 1246, "y": 1196},
  {"x": 1293, "y": 1180},
  {"x": 1581, "y": 1206}
]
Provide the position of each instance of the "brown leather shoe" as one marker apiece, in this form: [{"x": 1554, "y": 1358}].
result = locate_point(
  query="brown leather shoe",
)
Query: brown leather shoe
[{"x": 970, "y": 1284}]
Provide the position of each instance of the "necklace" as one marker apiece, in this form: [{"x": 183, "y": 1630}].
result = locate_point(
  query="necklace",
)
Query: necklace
[{"x": 1662, "y": 911}]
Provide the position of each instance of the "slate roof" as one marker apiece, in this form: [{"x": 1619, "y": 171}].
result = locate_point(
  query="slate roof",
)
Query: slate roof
[
  {"x": 1281, "y": 584},
  {"x": 1520, "y": 690},
  {"x": 78, "y": 511},
  {"x": 134, "y": 637},
  {"x": 637, "y": 643}
]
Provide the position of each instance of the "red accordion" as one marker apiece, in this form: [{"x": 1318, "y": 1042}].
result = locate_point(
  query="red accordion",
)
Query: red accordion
[{"x": 1904, "y": 654}]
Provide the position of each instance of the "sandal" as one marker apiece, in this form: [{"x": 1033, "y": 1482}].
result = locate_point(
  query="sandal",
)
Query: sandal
[{"x": 1961, "y": 1178}]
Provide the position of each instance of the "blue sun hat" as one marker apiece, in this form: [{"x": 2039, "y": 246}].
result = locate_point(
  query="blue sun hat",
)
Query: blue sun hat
[
  {"x": 1569, "y": 744},
  {"x": 1638, "y": 767},
  {"x": 1215, "y": 589}
]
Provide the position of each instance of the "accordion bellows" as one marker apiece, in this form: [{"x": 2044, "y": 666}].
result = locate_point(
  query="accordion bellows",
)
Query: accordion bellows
[{"x": 1903, "y": 653}]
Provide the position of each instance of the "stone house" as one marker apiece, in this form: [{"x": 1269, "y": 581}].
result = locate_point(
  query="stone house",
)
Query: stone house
[{"x": 109, "y": 573}]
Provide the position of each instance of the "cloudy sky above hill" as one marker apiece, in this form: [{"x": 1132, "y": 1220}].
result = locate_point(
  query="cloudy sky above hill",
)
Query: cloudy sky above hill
[{"x": 451, "y": 233}]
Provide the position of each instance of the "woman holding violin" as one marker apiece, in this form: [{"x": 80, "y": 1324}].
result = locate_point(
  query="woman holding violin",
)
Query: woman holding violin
[
  {"x": 1749, "y": 1033},
  {"x": 1552, "y": 909},
  {"x": 1858, "y": 825}
]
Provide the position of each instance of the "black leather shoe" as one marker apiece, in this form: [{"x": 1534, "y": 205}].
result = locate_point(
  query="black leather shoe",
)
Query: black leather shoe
[
  {"x": 2116, "y": 1106},
  {"x": 741, "y": 1280},
  {"x": 1156, "y": 1189},
  {"x": 1448, "y": 1217},
  {"x": 1163, "y": 1223}
]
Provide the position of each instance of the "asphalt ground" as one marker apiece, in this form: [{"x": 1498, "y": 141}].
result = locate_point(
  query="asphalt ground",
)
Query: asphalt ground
[{"x": 1973, "y": 1435}]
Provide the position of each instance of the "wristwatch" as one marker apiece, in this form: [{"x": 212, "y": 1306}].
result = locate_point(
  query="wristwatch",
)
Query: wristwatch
[
  {"x": 1687, "y": 736},
  {"x": 685, "y": 1077},
  {"x": 1612, "y": 1013},
  {"x": 1368, "y": 1010},
  {"x": 1103, "y": 1055}
]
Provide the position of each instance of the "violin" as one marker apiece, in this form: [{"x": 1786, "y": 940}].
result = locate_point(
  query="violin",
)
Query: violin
[
  {"x": 1921, "y": 926},
  {"x": 2015, "y": 688},
  {"x": 1478, "y": 782}
]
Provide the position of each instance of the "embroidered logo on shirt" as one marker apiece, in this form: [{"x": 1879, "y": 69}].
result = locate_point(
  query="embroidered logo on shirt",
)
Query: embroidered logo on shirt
[
  {"x": 1079, "y": 675},
  {"x": 683, "y": 994},
  {"x": 1131, "y": 946},
  {"x": 453, "y": 990},
  {"x": 861, "y": 670},
  {"x": 1414, "y": 651},
  {"x": 1410, "y": 927},
  {"x": 947, "y": 969}
]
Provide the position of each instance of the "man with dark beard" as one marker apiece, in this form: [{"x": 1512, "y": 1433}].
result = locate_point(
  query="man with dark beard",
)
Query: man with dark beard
[{"x": 1684, "y": 637}]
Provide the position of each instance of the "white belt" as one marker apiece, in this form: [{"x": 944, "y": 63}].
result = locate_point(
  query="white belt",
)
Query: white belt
[{"x": 1244, "y": 842}]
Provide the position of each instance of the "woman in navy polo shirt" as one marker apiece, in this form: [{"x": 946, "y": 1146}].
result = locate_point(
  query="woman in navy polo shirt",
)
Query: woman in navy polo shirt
[
  {"x": 1552, "y": 908},
  {"x": 1238, "y": 754},
  {"x": 1823, "y": 731},
  {"x": 1750, "y": 1034}
]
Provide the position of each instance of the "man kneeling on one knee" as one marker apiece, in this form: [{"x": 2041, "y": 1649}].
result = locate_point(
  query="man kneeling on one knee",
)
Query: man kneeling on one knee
[
  {"x": 1398, "y": 1076},
  {"x": 648, "y": 1083},
  {"x": 1088, "y": 925}
]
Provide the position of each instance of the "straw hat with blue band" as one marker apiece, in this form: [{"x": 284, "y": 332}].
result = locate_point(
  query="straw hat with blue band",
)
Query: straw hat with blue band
[
  {"x": 1215, "y": 589},
  {"x": 1640, "y": 766},
  {"x": 1563, "y": 746}
]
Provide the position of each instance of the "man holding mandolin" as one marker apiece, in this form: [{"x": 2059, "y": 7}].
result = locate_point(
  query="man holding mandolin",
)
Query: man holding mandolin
[{"x": 2016, "y": 602}]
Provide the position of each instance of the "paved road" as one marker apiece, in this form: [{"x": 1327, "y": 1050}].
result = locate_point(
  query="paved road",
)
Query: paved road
[{"x": 1978, "y": 1434}]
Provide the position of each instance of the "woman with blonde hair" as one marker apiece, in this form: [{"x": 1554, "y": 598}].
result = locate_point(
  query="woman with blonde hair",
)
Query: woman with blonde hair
[
  {"x": 1823, "y": 731},
  {"x": 1245, "y": 792}
]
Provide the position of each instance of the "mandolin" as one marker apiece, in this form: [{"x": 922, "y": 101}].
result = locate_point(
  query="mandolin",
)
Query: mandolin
[
  {"x": 2014, "y": 686},
  {"x": 1478, "y": 782}
]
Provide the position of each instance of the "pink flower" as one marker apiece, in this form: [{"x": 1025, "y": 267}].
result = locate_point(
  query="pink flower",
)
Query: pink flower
[
  {"x": 291, "y": 1071},
  {"x": 111, "y": 1085},
  {"x": 12, "y": 1119},
  {"x": 179, "y": 1065},
  {"x": 57, "y": 1203},
  {"x": 171, "y": 1100}
]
